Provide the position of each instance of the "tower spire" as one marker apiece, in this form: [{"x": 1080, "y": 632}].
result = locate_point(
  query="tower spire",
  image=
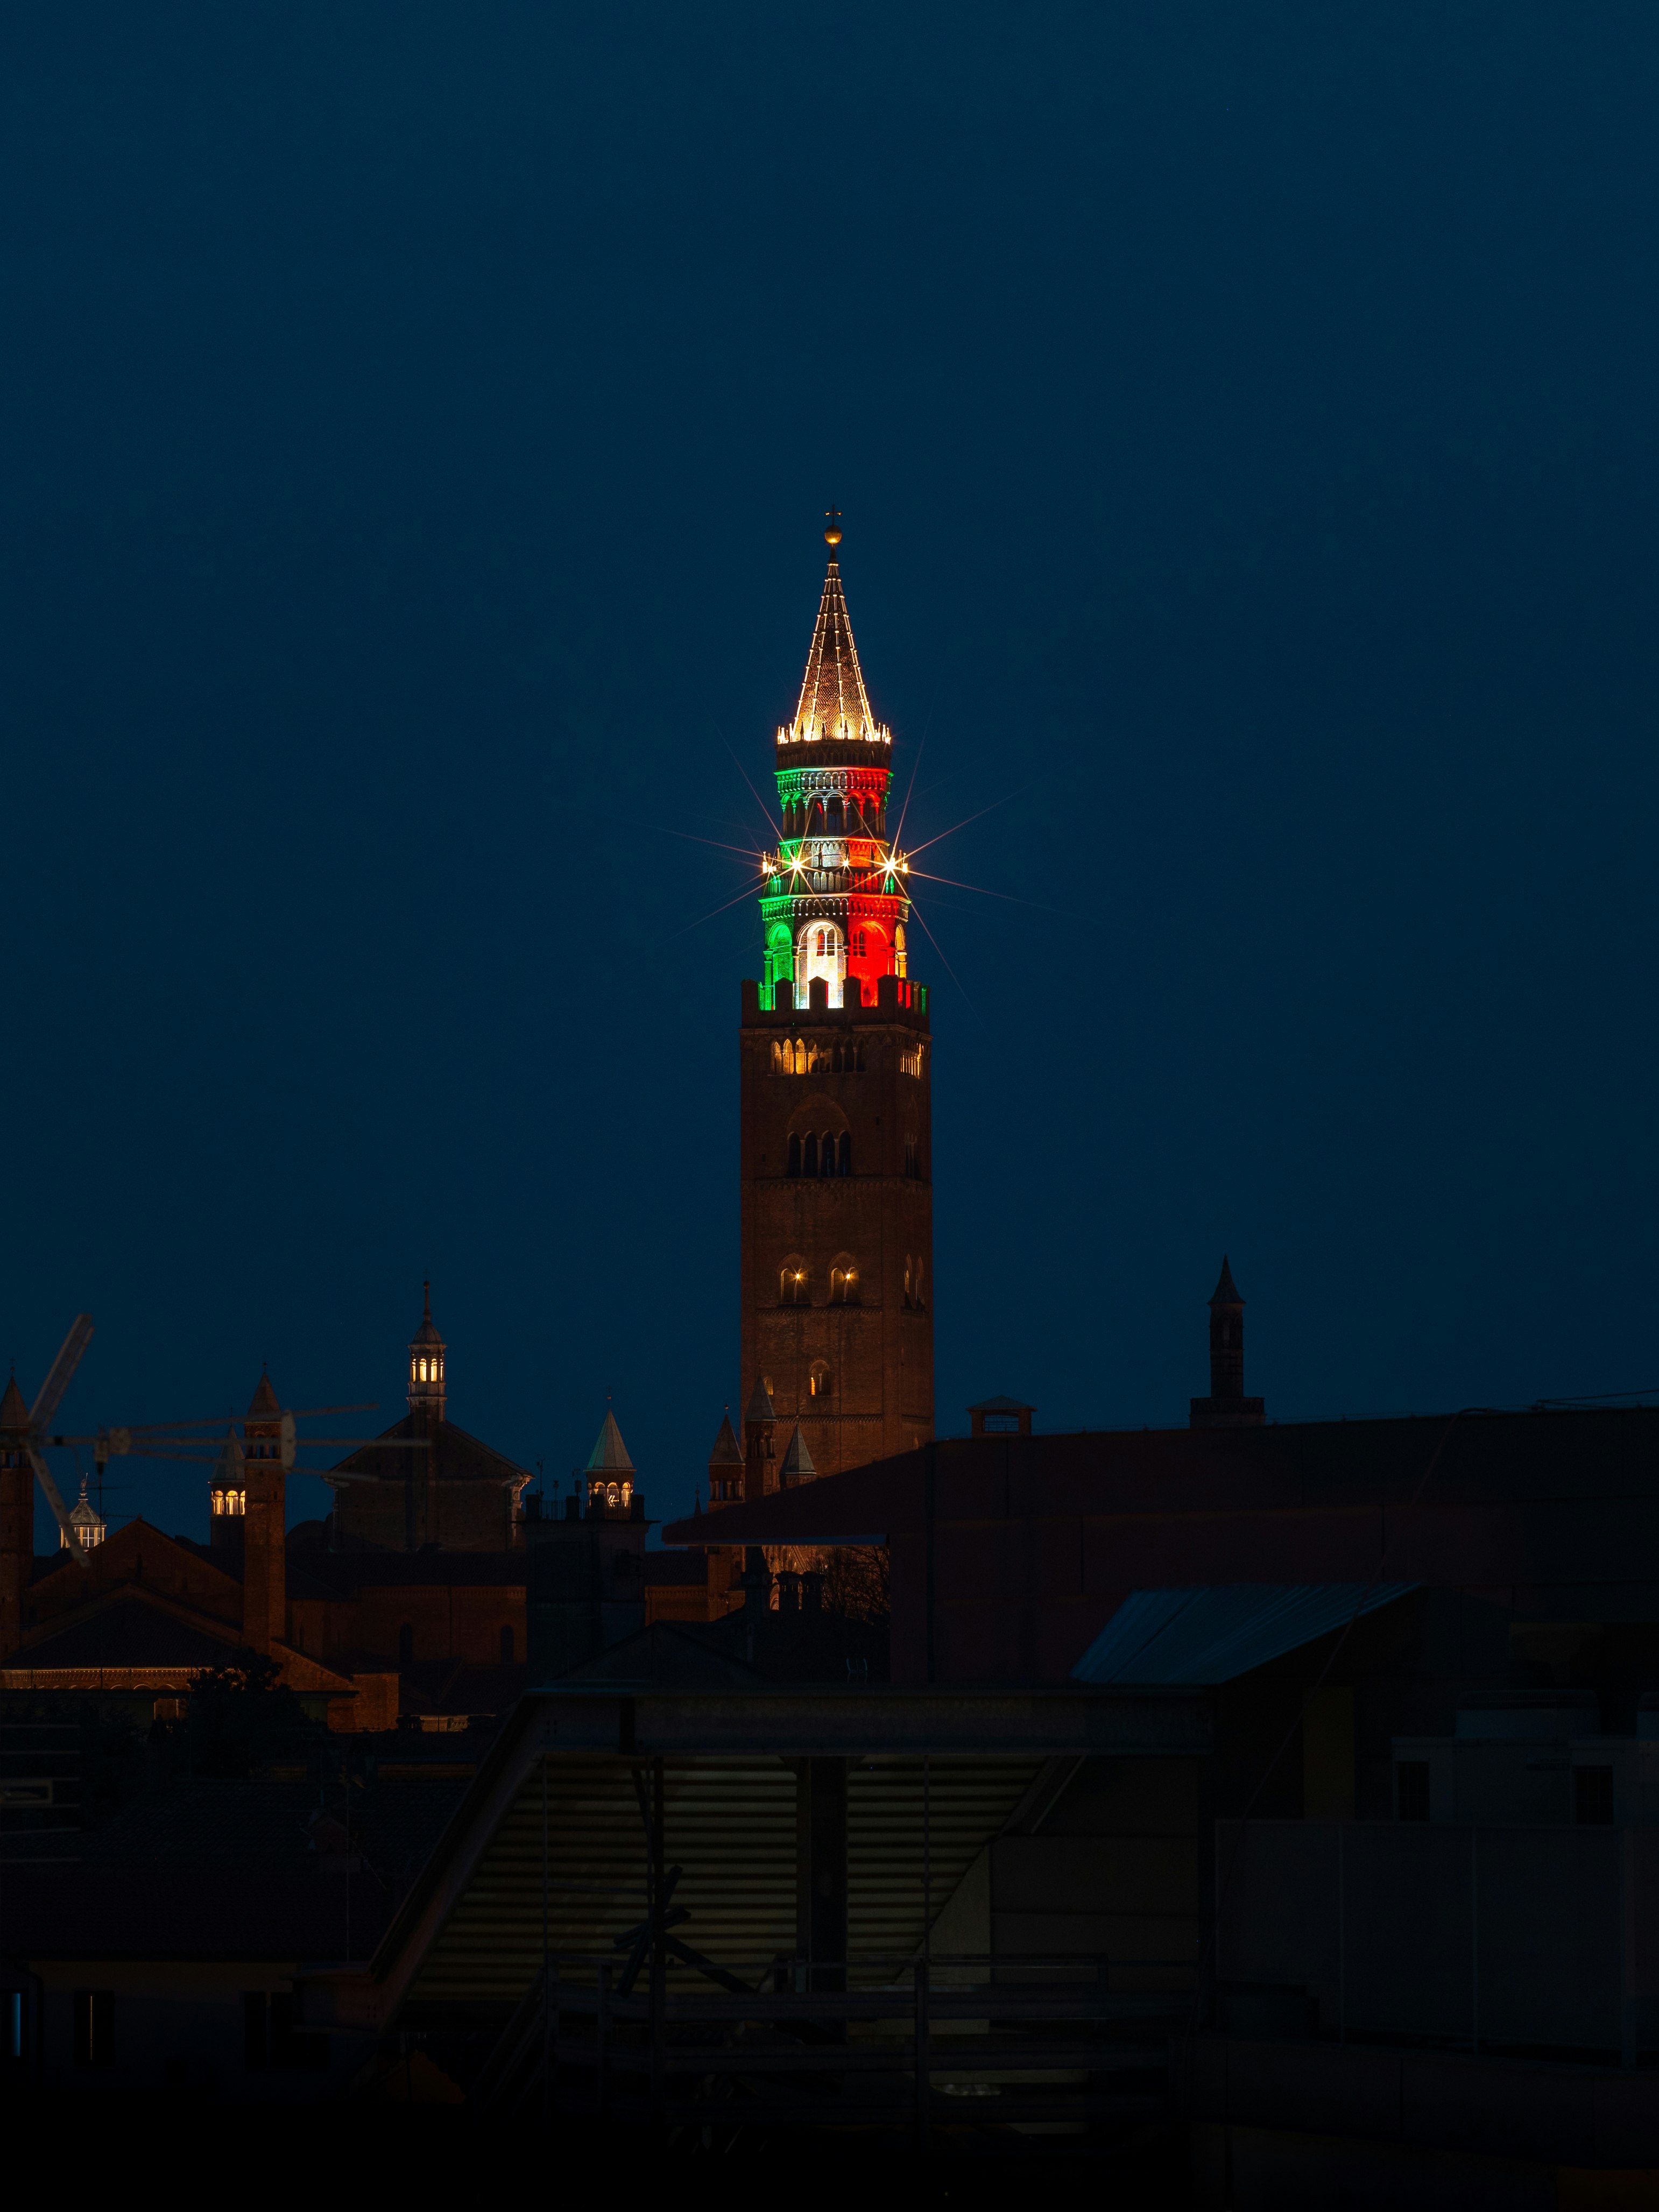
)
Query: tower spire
[
  {"x": 834, "y": 703},
  {"x": 833, "y": 903}
]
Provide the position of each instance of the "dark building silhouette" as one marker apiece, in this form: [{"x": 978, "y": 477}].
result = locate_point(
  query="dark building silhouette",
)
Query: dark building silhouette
[{"x": 1226, "y": 1407}]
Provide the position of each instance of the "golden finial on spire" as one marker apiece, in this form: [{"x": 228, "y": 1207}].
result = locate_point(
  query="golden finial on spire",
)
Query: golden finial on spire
[{"x": 832, "y": 516}]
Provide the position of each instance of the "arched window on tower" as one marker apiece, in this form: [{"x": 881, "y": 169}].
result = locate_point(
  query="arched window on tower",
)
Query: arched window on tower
[
  {"x": 833, "y": 817},
  {"x": 844, "y": 1282},
  {"x": 815, "y": 819},
  {"x": 827, "y": 1158},
  {"x": 819, "y": 955},
  {"x": 900, "y": 963},
  {"x": 817, "y": 1383},
  {"x": 844, "y": 1153},
  {"x": 793, "y": 1285},
  {"x": 794, "y": 1156},
  {"x": 809, "y": 1153}
]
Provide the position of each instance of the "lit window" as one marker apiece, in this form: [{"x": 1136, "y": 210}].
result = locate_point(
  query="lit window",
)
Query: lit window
[{"x": 818, "y": 1383}]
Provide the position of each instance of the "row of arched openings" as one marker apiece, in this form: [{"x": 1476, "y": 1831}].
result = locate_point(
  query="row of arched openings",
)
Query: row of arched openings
[
  {"x": 825, "y": 1155},
  {"x": 832, "y": 815},
  {"x": 802, "y": 1056},
  {"x": 795, "y": 1283}
]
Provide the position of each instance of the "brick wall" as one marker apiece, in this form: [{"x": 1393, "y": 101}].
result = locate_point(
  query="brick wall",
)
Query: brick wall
[{"x": 862, "y": 1074}]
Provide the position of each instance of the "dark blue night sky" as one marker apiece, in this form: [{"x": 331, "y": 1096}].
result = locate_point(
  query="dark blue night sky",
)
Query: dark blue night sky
[{"x": 417, "y": 426}]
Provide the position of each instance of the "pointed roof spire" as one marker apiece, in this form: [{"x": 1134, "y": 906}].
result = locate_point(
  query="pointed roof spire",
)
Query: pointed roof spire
[
  {"x": 760, "y": 1406},
  {"x": 14, "y": 1407},
  {"x": 427, "y": 1333},
  {"x": 1226, "y": 1292},
  {"x": 726, "y": 1451},
  {"x": 263, "y": 1401},
  {"x": 232, "y": 1462},
  {"x": 610, "y": 1453},
  {"x": 833, "y": 702},
  {"x": 797, "y": 1463}
]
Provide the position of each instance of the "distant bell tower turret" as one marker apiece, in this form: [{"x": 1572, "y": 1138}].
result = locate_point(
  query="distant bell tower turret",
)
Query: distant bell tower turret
[
  {"x": 1226, "y": 1407},
  {"x": 426, "y": 1387}
]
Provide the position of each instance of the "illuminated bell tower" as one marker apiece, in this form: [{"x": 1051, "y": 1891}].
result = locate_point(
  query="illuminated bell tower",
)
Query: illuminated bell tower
[
  {"x": 837, "y": 1074},
  {"x": 426, "y": 1387}
]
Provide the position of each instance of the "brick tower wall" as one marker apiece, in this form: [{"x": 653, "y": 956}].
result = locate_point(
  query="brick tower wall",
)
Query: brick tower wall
[
  {"x": 877, "y": 1346},
  {"x": 16, "y": 1537},
  {"x": 265, "y": 1538}
]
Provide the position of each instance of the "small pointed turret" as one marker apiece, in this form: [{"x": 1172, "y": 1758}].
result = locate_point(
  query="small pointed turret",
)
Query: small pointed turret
[
  {"x": 759, "y": 1407},
  {"x": 610, "y": 1453},
  {"x": 87, "y": 1527},
  {"x": 608, "y": 1476},
  {"x": 13, "y": 1411},
  {"x": 725, "y": 1466},
  {"x": 264, "y": 1404},
  {"x": 797, "y": 1463},
  {"x": 1226, "y": 1407}
]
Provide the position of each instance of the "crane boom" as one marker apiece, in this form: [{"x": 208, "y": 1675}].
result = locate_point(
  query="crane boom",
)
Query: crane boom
[
  {"x": 43, "y": 1476},
  {"x": 57, "y": 1380}
]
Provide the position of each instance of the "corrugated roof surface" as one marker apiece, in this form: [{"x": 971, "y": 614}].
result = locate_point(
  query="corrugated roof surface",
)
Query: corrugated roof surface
[
  {"x": 729, "y": 1824},
  {"x": 1212, "y": 1634}
]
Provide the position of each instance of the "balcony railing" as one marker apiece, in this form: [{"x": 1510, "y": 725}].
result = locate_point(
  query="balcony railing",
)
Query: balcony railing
[{"x": 913, "y": 2045}]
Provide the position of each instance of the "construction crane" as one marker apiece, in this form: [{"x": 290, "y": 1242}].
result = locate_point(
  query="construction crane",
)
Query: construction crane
[{"x": 163, "y": 1439}]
